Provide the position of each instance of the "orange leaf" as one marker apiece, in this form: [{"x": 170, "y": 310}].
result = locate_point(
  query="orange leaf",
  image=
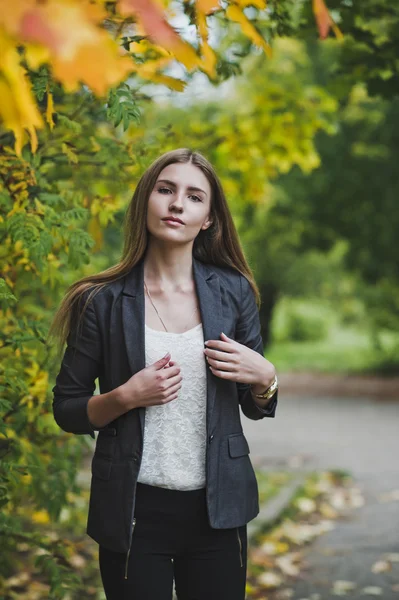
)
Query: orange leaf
[
  {"x": 207, "y": 6},
  {"x": 80, "y": 49},
  {"x": 323, "y": 18}
]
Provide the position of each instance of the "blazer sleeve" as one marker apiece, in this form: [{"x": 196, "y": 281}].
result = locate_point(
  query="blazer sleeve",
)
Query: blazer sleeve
[
  {"x": 80, "y": 367},
  {"x": 248, "y": 332}
]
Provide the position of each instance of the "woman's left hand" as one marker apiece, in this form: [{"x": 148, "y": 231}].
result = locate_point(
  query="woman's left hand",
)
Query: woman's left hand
[{"x": 229, "y": 359}]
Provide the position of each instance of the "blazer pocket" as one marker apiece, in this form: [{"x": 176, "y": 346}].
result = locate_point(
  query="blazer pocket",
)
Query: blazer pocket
[
  {"x": 106, "y": 442},
  {"x": 238, "y": 445},
  {"x": 101, "y": 467}
]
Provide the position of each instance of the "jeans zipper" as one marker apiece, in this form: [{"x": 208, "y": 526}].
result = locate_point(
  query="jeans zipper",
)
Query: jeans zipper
[
  {"x": 130, "y": 545},
  {"x": 240, "y": 546}
]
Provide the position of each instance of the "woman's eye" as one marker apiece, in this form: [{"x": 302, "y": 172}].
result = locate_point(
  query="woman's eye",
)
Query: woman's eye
[{"x": 163, "y": 189}]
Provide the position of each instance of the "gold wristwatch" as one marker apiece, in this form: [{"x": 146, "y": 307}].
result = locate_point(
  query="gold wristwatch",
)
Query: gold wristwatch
[{"x": 268, "y": 393}]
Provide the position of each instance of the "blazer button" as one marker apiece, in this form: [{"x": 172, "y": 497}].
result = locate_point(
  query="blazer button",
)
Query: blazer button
[{"x": 211, "y": 438}]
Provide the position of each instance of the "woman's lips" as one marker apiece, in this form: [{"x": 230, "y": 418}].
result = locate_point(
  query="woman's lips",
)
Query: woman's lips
[{"x": 173, "y": 223}]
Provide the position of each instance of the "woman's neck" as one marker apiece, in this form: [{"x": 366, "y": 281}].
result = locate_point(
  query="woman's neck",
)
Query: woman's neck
[{"x": 171, "y": 271}]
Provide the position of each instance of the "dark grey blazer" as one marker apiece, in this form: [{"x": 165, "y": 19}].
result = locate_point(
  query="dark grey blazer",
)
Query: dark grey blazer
[{"x": 111, "y": 347}]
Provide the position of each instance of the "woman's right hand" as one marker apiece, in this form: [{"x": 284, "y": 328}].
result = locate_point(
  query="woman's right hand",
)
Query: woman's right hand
[{"x": 156, "y": 384}]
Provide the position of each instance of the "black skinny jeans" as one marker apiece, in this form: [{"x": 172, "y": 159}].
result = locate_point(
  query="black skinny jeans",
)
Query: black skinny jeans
[{"x": 172, "y": 540}]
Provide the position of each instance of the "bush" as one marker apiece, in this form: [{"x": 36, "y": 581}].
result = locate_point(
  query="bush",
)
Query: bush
[
  {"x": 303, "y": 328},
  {"x": 301, "y": 321}
]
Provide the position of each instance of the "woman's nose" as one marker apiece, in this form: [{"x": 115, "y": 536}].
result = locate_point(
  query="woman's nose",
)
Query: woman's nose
[{"x": 178, "y": 200}]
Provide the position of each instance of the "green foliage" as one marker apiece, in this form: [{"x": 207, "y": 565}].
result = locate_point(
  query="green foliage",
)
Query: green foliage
[
  {"x": 301, "y": 321},
  {"x": 368, "y": 52},
  {"x": 122, "y": 106},
  {"x": 54, "y": 205}
]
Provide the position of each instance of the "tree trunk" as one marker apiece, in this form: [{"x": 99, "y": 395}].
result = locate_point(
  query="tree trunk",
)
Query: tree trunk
[{"x": 269, "y": 295}]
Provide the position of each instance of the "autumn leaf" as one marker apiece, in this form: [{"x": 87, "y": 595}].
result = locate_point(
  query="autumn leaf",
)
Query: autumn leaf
[
  {"x": 208, "y": 55},
  {"x": 324, "y": 20},
  {"x": 152, "y": 19},
  {"x": 17, "y": 108},
  {"x": 342, "y": 587},
  {"x": 261, "y": 4},
  {"x": 50, "y": 109},
  {"x": 70, "y": 30},
  {"x": 234, "y": 13},
  {"x": 372, "y": 590},
  {"x": 207, "y": 6},
  {"x": 40, "y": 516}
]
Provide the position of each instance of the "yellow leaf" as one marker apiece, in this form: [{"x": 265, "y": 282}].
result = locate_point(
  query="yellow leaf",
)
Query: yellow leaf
[
  {"x": 234, "y": 13},
  {"x": 26, "y": 479},
  {"x": 41, "y": 516},
  {"x": 261, "y": 4},
  {"x": 40, "y": 208},
  {"x": 151, "y": 17},
  {"x": 171, "y": 82},
  {"x": 36, "y": 55},
  {"x": 96, "y": 233},
  {"x": 73, "y": 158},
  {"x": 208, "y": 55},
  {"x": 150, "y": 70},
  {"x": 50, "y": 108},
  {"x": 208, "y": 60},
  {"x": 17, "y": 108}
]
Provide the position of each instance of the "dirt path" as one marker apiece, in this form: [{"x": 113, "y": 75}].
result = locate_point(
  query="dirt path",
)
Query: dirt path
[
  {"x": 317, "y": 384},
  {"x": 348, "y": 423}
]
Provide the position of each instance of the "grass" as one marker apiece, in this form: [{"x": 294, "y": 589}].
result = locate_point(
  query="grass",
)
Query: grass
[{"x": 344, "y": 350}]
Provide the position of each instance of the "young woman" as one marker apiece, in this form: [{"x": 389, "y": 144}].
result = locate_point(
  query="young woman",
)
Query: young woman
[{"x": 173, "y": 334}]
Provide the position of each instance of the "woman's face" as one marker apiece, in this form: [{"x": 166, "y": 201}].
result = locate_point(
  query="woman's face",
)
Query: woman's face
[{"x": 181, "y": 191}]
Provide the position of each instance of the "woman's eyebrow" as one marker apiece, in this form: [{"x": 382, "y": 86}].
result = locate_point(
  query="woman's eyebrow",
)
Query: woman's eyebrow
[{"x": 191, "y": 188}]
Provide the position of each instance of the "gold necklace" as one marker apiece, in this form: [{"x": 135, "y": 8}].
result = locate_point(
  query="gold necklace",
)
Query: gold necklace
[{"x": 149, "y": 295}]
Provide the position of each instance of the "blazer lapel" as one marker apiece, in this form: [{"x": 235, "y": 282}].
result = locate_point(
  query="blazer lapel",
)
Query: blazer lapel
[{"x": 207, "y": 285}]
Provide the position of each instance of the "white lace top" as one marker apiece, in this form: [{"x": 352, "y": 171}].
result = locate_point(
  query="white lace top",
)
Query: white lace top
[{"x": 175, "y": 433}]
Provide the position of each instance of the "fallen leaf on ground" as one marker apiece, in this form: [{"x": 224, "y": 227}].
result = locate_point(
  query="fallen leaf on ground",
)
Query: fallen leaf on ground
[
  {"x": 393, "y": 557},
  {"x": 304, "y": 532},
  {"x": 285, "y": 594},
  {"x": 328, "y": 511},
  {"x": 274, "y": 547},
  {"x": 306, "y": 505},
  {"x": 372, "y": 590},
  {"x": 270, "y": 579},
  {"x": 341, "y": 587},
  {"x": 392, "y": 496},
  {"x": 286, "y": 563},
  {"x": 381, "y": 566},
  {"x": 356, "y": 498}
]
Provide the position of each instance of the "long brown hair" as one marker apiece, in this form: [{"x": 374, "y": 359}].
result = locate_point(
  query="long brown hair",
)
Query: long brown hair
[{"x": 218, "y": 245}]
